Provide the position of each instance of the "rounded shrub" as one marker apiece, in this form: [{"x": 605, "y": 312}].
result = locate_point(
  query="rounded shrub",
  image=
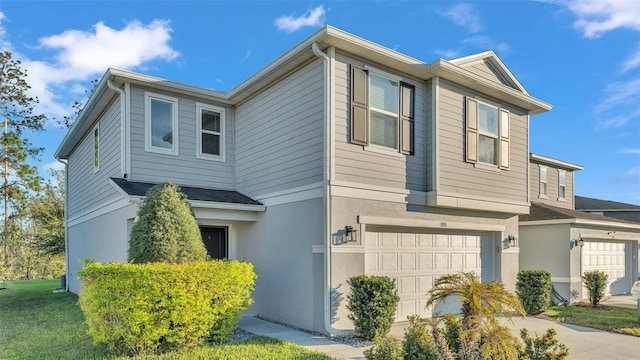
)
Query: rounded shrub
[
  {"x": 534, "y": 290},
  {"x": 418, "y": 343},
  {"x": 372, "y": 303},
  {"x": 155, "y": 307},
  {"x": 595, "y": 281},
  {"x": 166, "y": 229}
]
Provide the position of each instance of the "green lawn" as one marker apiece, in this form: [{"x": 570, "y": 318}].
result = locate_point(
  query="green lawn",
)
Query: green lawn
[
  {"x": 609, "y": 318},
  {"x": 36, "y": 323}
]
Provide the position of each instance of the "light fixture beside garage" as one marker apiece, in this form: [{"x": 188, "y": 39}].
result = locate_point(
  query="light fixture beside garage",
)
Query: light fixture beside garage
[
  {"x": 578, "y": 241},
  {"x": 349, "y": 234},
  {"x": 511, "y": 241}
]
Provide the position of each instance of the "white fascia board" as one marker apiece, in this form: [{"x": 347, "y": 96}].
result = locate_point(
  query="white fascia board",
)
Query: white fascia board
[
  {"x": 605, "y": 224},
  {"x": 493, "y": 57},
  {"x": 555, "y": 162},
  {"x": 431, "y": 224},
  {"x": 608, "y": 210},
  {"x": 215, "y": 205}
]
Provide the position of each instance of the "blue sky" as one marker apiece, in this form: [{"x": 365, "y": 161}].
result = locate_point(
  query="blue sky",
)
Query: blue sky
[{"x": 582, "y": 56}]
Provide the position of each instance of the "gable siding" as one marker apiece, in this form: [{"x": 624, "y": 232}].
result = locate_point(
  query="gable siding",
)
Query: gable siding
[
  {"x": 185, "y": 168},
  {"x": 279, "y": 134},
  {"x": 358, "y": 165},
  {"x": 552, "y": 186},
  {"x": 458, "y": 176},
  {"x": 86, "y": 189},
  {"x": 487, "y": 71}
]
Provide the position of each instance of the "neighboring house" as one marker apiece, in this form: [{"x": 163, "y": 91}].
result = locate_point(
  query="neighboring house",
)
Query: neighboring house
[
  {"x": 608, "y": 208},
  {"x": 557, "y": 238},
  {"x": 339, "y": 158}
]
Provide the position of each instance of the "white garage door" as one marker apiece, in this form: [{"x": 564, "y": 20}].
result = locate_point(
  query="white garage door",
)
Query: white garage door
[
  {"x": 415, "y": 260},
  {"x": 609, "y": 257}
]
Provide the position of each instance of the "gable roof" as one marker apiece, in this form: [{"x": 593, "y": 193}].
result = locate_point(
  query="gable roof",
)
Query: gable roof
[
  {"x": 140, "y": 189},
  {"x": 540, "y": 213},
  {"x": 324, "y": 38},
  {"x": 496, "y": 66},
  {"x": 585, "y": 203}
]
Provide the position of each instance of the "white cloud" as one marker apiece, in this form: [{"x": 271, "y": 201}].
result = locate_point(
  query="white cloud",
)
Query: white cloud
[
  {"x": 633, "y": 61},
  {"x": 4, "y": 44},
  {"x": 631, "y": 151},
  {"x": 313, "y": 17},
  {"x": 447, "y": 54},
  {"x": 246, "y": 55},
  {"x": 596, "y": 17},
  {"x": 81, "y": 56},
  {"x": 621, "y": 93},
  {"x": 53, "y": 166},
  {"x": 464, "y": 15},
  {"x": 485, "y": 43}
]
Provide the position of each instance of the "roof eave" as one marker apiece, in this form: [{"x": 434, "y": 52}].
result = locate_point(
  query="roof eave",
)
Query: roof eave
[{"x": 556, "y": 162}]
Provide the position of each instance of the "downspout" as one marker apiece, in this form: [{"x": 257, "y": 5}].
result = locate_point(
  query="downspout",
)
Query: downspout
[
  {"x": 66, "y": 228},
  {"x": 123, "y": 167},
  {"x": 328, "y": 120}
]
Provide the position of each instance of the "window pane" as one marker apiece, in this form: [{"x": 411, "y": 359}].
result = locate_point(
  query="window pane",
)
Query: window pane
[
  {"x": 488, "y": 119},
  {"x": 487, "y": 150},
  {"x": 383, "y": 93},
  {"x": 96, "y": 147},
  {"x": 543, "y": 174},
  {"x": 211, "y": 144},
  {"x": 383, "y": 130},
  {"x": 211, "y": 120},
  {"x": 161, "y": 124},
  {"x": 561, "y": 178},
  {"x": 561, "y": 195}
]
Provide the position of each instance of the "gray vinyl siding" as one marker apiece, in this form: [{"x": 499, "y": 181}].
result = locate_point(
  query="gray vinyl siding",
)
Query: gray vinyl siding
[
  {"x": 88, "y": 190},
  {"x": 353, "y": 163},
  {"x": 459, "y": 177},
  {"x": 279, "y": 134},
  {"x": 429, "y": 158},
  {"x": 552, "y": 186},
  {"x": 487, "y": 71},
  {"x": 185, "y": 168}
]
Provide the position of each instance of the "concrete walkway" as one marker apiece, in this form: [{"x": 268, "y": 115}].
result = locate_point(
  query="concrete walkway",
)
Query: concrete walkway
[{"x": 583, "y": 343}]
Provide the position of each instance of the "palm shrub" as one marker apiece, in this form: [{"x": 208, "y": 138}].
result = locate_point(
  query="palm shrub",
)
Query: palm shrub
[
  {"x": 482, "y": 335},
  {"x": 534, "y": 290},
  {"x": 452, "y": 332},
  {"x": 544, "y": 347},
  {"x": 418, "y": 343},
  {"x": 384, "y": 348},
  {"x": 372, "y": 303},
  {"x": 166, "y": 229},
  {"x": 595, "y": 281}
]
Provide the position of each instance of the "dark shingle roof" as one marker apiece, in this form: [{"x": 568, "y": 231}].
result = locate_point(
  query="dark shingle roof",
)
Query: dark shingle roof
[
  {"x": 585, "y": 203},
  {"x": 540, "y": 211},
  {"x": 137, "y": 188}
]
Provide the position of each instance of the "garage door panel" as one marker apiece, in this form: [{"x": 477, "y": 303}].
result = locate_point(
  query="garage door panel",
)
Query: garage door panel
[
  {"x": 408, "y": 261},
  {"x": 390, "y": 239},
  {"x": 457, "y": 241},
  {"x": 457, "y": 260},
  {"x": 472, "y": 260},
  {"x": 389, "y": 262},
  {"x": 442, "y": 241},
  {"x": 408, "y": 240},
  {"x": 407, "y": 285},
  {"x": 425, "y": 241},
  {"x": 425, "y": 261},
  {"x": 442, "y": 261},
  {"x": 609, "y": 257}
]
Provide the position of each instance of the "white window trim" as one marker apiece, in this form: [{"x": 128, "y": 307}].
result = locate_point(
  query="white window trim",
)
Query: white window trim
[
  {"x": 96, "y": 151},
  {"x": 546, "y": 181},
  {"x": 147, "y": 123},
  {"x": 375, "y": 147},
  {"x": 560, "y": 185},
  {"x": 497, "y": 150},
  {"x": 223, "y": 116}
]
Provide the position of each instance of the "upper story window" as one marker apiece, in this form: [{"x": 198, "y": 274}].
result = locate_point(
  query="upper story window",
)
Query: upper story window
[
  {"x": 487, "y": 134},
  {"x": 96, "y": 148},
  {"x": 382, "y": 111},
  {"x": 161, "y": 124},
  {"x": 210, "y": 138},
  {"x": 543, "y": 181},
  {"x": 561, "y": 185}
]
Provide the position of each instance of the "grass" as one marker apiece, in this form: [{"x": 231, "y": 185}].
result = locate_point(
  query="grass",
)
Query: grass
[
  {"x": 609, "y": 318},
  {"x": 36, "y": 323}
]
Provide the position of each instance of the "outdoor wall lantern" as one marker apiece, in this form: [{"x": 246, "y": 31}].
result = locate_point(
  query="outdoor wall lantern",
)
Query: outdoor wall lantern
[
  {"x": 511, "y": 241},
  {"x": 578, "y": 241},
  {"x": 349, "y": 233}
]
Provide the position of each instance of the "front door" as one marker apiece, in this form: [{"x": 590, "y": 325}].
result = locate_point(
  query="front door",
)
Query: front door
[{"x": 216, "y": 241}]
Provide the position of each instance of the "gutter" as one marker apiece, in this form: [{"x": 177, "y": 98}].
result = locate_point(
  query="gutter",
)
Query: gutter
[
  {"x": 123, "y": 131},
  {"x": 329, "y": 119},
  {"x": 66, "y": 228}
]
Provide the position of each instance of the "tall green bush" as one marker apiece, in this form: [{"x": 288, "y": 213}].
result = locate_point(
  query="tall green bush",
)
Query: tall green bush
[
  {"x": 372, "y": 303},
  {"x": 151, "y": 308},
  {"x": 166, "y": 229},
  {"x": 534, "y": 290},
  {"x": 418, "y": 343},
  {"x": 596, "y": 282}
]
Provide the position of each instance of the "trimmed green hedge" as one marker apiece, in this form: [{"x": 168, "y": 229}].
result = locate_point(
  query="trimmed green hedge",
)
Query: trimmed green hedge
[
  {"x": 534, "y": 290},
  {"x": 596, "y": 282},
  {"x": 372, "y": 303},
  {"x": 155, "y": 307}
]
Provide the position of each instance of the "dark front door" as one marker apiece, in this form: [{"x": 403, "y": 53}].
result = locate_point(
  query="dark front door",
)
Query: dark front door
[{"x": 216, "y": 241}]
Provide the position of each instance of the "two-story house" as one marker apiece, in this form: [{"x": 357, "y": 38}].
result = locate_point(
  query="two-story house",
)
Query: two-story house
[
  {"x": 557, "y": 238},
  {"x": 341, "y": 157}
]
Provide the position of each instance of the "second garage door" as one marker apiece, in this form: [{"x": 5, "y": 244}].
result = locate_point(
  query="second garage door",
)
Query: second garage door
[
  {"x": 416, "y": 259},
  {"x": 609, "y": 257}
]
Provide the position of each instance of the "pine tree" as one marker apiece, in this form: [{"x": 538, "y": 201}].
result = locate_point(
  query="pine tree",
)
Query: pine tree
[{"x": 18, "y": 112}]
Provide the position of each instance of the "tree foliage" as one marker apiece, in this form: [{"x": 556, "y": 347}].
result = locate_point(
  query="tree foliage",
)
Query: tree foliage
[
  {"x": 17, "y": 109},
  {"x": 166, "y": 230},
  {"x": 46, "y": 210}
]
